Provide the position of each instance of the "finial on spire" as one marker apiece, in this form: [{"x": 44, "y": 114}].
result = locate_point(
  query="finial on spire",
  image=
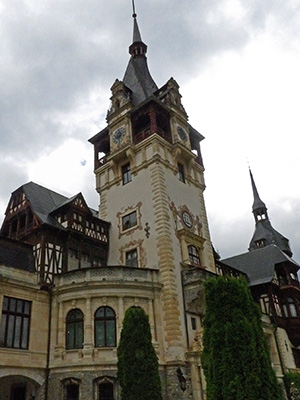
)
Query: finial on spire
[{"x": 133, "y": 9}]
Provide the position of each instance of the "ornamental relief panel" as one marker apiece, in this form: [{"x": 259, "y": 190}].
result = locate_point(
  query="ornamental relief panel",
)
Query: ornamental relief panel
[
  {"x": 129, "y": 220},
  {"x": 185, "y": 219},
  {"x": 141, "y": 253}
]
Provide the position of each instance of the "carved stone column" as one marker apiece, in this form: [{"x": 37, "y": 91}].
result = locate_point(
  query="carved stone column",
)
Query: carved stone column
[{"x": 88, "y": 331}]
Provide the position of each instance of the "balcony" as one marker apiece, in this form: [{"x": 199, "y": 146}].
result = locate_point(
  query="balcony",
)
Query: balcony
[
  {"x": 146, "y": 132},
  {"x": 110, "y": 275}
]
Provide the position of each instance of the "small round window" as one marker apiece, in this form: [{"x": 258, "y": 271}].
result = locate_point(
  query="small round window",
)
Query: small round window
[{"x": 187, "y": 219}]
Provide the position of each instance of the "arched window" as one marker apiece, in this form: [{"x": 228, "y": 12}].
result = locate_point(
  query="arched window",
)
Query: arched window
[
  {"x": 106, "y": 391},
  {"x": 194, "y": 255},
  {"x": 71, "y": 388},
  {"x": 106, "y": 388},
  {"x": 74, "y": 329},
  {"x": 105, "y": 327}
]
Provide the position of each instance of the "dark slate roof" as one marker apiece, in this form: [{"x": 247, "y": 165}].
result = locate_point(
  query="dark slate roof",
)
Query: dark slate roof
[
  {"x": 43, "y": 201},
  {"x": 195, "y": 133},
  {"x": 259, "y": 265},
  {"x": 257, "y": 202},
  {"x": 15, "y": 254},
  {"x": 136, "y": 32},
  {"x": 265, "y": 231},
  {"x": 138, "y": 79},
  {"x": 137, "y": 76}
]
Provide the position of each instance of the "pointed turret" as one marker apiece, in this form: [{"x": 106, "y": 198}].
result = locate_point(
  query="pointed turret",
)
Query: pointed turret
[
  {"x": 259, "y": 208},
  {"x": 264, "y": 233},
  {"x": 137, "y": 76}
]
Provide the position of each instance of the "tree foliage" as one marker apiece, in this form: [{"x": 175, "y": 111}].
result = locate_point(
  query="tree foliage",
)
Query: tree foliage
[
  {"x": 137, "y": 361},
  {"x": 235, "y": 357},
  {"x": 292, "y": 384}
]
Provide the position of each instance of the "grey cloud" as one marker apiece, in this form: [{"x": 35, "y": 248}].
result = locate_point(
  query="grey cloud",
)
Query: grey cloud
[
  {"x": 233, "y": 237},
  {"x": 54, "y": 54}
]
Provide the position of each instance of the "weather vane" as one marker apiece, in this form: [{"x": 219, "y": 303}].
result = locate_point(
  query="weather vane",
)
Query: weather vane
[{"x": 133, "y": 8}]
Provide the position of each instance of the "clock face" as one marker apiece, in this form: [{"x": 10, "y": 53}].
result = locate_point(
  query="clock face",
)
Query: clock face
[
  {"x": 118, "y": 135},
  {"x": 182, "y": 133},
  {"x": 187, "y": 219}
]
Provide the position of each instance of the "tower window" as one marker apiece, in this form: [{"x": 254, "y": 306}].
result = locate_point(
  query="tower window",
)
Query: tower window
[
  {"x": 126, "y": 174},
  {"x": 131, "y": 257},
  {"x": 194, "y": 255},
  {"x": 181, "y": 175},
  {"x": 74, "y": 329},
  {"x": 129, "y": 220},
  {"x": 15, "y": 323},
  {"x": 105, "y": 327},
  {"x": 193, "y": 323}
]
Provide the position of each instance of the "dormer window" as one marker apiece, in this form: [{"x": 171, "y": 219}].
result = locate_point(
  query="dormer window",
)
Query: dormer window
[{"x": 260, "y": 243}]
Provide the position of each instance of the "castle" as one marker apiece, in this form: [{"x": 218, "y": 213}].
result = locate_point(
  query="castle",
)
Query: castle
[{"x": 68, "y": 273}]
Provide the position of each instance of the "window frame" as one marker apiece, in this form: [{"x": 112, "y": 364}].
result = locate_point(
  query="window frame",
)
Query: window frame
[
  {"x": 194, "y": 256},
  {"x": 131, "y": 224},
  {"x": 132, "y": 260},
  {"x": 104, "y": 321},
  {"x": 15, "y": 323},
  {"x": 68, "y": 387},
  {"x": 71, "y": 382},
  {"x": 101, "y": 387},
  {"x": 126, "y": 173},
  {"x": 292, "y": 307},
  {"x": 75, "y": 323},
  {"x": 181, "y": 172}
]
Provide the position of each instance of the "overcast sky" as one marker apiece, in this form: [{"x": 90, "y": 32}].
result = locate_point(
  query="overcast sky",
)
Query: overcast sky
[{"x": 237, "y": 63}]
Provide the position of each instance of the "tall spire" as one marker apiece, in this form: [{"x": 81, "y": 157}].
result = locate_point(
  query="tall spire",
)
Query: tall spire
[
  {"x": 259, "y": 208},
  {"x": 136, "y": 32},
  {"x": 137, "y": 76},
  {"x": 264, "y": 233}
]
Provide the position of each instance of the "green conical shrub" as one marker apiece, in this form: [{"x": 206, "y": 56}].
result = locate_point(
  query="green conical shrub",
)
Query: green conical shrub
[
  {"x": 137, "y": 361},
  {"x": 235, "y": 357}
]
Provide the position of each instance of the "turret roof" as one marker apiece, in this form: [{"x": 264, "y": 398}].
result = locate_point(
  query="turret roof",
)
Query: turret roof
[{"x": 137, "y": 76}]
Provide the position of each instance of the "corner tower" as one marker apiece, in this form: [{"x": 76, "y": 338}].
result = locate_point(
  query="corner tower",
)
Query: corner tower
[
  {"x": 264, "y": 233},
  {"x": 149, "y": 175}
]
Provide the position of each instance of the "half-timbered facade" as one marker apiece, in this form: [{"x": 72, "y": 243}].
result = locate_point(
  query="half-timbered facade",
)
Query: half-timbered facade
[{"x": 64, "y": 232}]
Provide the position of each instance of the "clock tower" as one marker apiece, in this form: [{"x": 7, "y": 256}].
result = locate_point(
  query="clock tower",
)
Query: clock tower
[{"x": 149, "y": 175}]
